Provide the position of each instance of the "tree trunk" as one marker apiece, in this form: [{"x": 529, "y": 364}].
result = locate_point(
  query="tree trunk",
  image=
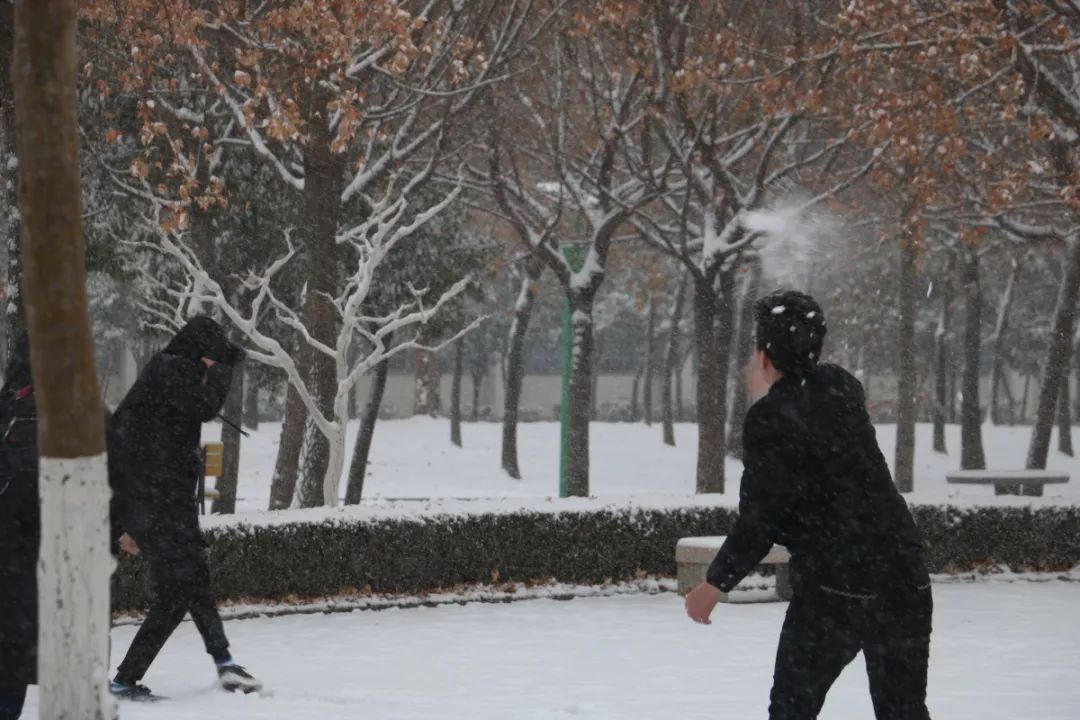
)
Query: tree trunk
[
  {"x": 477, "y": 379},
  {"x": 251, "y": 402},
  {"x": 515, "y": 366},
  {"x": 287, "y": 467},
  {"x": 971, "y": 447},
  {"x": 1065, "y": 444},
  {"x": 225, "y": 504},
  {"x": 650, "y": 362},
  {"x": 427, "y": 397},
  {"x": 1024, "y": 399},
  {"x": 997, "y": 375},
  {"x": 680, "y": 364},
  {"x": 12, "y": 317},
  {"x": 74, "y": 561},
  {"x": 323, "y": 176},
  {"x": 362, "y": 449},
  {"x": 581, "y": 393},
  {"x": 671, "y": 362},
  {"x": 635, "y": 392},
  {"x": 906, "y": 387},
  {"x": 455, "y": 393},
  {"x": 1076, "y": 370},
  {"x": 1054, "y": 371},
  {"x": 712, "y": 331},
  {"x": 596, "y": 354},
  {"x": 743, "y": 352},
  {"x": 941, "y": 370}
]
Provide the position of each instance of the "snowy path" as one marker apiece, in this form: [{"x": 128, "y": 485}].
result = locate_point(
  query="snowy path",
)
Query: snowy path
[{"x": 1009, "y": 651}]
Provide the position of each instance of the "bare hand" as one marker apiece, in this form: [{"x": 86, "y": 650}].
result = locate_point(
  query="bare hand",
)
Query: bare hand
[
  {"x": 700, "y": 603},
  {"x": 208, "y": 362},
  {"x": 128, "y": 545}
]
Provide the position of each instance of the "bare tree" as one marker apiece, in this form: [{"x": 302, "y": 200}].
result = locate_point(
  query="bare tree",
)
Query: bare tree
[{"x": 371, "y": 241}]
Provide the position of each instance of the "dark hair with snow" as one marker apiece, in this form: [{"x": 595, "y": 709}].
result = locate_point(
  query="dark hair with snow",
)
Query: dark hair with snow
[{"x": 790, "y": 329}]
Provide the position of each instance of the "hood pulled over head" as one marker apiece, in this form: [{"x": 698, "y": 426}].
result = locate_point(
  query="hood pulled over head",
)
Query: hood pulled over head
[{"x": 202, "y": 337}]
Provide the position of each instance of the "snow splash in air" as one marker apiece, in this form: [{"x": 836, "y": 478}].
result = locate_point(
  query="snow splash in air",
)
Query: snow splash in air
[{"x": 793, "y": 238}]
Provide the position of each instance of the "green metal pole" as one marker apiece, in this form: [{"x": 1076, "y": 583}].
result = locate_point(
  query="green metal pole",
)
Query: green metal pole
[{"x": 572, "y": 253}]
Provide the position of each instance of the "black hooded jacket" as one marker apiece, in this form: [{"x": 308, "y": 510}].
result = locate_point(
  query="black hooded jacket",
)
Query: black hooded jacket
[
  {"x": 158, "y": 428},
  {"x": 816, "y": 482},
  {"x": 20, "y": 520}
]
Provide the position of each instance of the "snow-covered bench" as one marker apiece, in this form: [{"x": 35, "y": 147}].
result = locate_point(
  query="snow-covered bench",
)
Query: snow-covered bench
[
  {"x": 1010, "y": 482},
  {"x": 694, "y": 554}
]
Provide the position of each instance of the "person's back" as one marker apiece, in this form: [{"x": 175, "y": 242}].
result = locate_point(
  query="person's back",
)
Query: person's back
[
  {"x": 848, "y": 528},
  {"x": 159, "y": 423},
  {"x": 815, "y": 481}
]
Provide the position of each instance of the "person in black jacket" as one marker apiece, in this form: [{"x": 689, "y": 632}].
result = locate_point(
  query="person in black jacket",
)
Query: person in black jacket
[
  {"x": 20, "y": 530},
  {"x": 816, "y": 482},
  {"x": 20, "y": 534},
  {"x": 158, "y": 425}
]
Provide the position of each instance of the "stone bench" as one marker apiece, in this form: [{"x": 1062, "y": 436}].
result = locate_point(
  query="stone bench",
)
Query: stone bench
[
  {"x": 1009, "y": 482},
  {"x": 693, "y": 555}
]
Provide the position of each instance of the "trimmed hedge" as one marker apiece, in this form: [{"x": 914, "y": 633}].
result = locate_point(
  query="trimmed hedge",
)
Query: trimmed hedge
[{"x": 418, "y": 554}]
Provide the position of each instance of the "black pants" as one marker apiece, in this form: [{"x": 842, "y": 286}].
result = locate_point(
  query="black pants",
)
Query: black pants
[
  {"x": 824, "y": 632},
  {"x": 181, "y": 580},
  {"x": 12, "y": 697}
]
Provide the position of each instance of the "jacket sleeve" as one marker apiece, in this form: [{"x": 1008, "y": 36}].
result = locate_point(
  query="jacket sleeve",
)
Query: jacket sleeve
[
  {"x": 118, "y": 503},
  {"x": 196, "y": 392},
  {"x": 768, "y": 491}
]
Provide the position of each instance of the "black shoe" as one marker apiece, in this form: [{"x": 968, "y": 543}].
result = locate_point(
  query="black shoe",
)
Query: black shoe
[
  {"x": 235, "y": 677},
  {"x": 132, "y": 691}
]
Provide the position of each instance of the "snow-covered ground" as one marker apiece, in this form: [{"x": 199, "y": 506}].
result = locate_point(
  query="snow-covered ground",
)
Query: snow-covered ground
[
  {"x": 1000, "y": 650},
  {"x": 413, "y": 458}
]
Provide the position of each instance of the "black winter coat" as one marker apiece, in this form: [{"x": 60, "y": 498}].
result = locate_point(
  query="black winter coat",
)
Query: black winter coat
[
  {"x": 816, "y": 482},
  {"x": 20, "y": 519},
  {"x": 20, "y": 523},
  {"x": 158, "y": 426}
]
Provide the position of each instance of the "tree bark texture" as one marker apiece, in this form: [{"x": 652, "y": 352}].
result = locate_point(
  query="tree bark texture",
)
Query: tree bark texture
[
  {"x": 971, "y": 447},
  {"x": 12, "y": 316},
  {"x": 455, "y": 392},
  {"x": 323, "y": 177},
  {"x": 287, "y": 467},
  {"x": 427, "y": 399},
  {"x": 712, "y": 331},
  {"x": 908, "y": 382},
  {"x": 251, "y": 401},
  {"x": 997, "y": 371},
  {"x": 650, "y": 360},
  {"x": 1065, "y": 443},
  {"x": 74, "y": 561},
  {"x": 362, "y": 449},
  {"x": 515, "y": 366},
  {"x": 1054, "y": 369},
  {"x": 941, "y": 362},
  {"x": 672, "y": 364},
  {"x": 581, "y": 392},
  {"x": 743, "y": 351},
  {"x": 227, "y": 484}
]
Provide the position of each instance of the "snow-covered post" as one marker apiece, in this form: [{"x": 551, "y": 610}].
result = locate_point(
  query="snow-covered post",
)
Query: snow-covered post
[{"x": 75, "y": 563}]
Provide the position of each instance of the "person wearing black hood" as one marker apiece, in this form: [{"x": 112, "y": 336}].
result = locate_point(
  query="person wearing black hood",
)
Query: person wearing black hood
[
  {"x": 816, "y": 482},
  {"x": 158, "y": 426}
]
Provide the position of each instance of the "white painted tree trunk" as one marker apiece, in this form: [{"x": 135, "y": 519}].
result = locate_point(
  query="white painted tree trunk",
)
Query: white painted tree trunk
[
  {"x": 336, "y": 465},
  {"x": 73, "y": 590}
]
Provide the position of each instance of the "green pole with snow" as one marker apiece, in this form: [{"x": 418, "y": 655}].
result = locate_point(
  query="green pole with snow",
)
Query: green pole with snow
[{"x": 573, "y": 255}]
